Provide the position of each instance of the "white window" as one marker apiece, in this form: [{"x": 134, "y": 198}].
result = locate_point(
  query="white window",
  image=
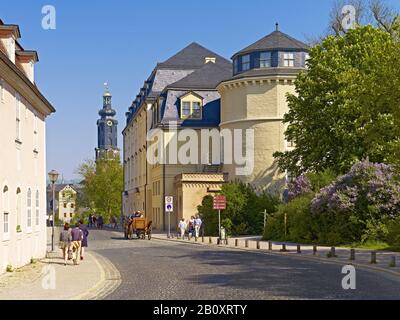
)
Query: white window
[
  {"x": 307, "y": 57},
  {"x": 37, "y": 208},
  {"x": 6, "y": 213},
  {"x": 265, "y": 60},
  {"x": 29, "y": 209},
  {"x": 18, "y": 117},
  {"x": 246, "y": 62},
  {"x": 288, "y": 59}
]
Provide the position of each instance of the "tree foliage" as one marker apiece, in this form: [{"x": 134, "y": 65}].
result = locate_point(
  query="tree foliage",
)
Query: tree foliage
[
  {"x": 362, "y": 205},
  {"x": 102, "y": 187},
  {"x": 244, "y": 214},
  {"x": 347, "y": 104}
]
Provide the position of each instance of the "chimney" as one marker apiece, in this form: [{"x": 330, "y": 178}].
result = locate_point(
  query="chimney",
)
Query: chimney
[{"x": 8, "y": 36}]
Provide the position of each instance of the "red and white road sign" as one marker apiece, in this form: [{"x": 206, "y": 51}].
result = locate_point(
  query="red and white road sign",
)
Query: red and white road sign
[{"x": 219, "y": 203}]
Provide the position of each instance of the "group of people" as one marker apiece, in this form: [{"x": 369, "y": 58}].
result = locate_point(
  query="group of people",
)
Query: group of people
[
  {"x": 194, "y": 227},
  {"x": 73, "y": 242},
  {"x": 96, "y": 222}
]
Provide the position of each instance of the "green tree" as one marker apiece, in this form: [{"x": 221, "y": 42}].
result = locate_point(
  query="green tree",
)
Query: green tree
[
  {"x": 347, "y": 104},
  {"x": 244, "y": 213},
  {"x": 102, "y": 187}
]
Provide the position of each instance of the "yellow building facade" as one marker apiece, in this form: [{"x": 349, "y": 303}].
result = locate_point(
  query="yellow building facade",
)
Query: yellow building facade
[{"x": 247, "y": 95}]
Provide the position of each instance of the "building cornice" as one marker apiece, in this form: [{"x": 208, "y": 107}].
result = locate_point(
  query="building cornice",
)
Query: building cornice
[
  {"x": 256, "y": 80},
  {"x": 259, "y": 119},
  {"x": 18, "y": 80}
]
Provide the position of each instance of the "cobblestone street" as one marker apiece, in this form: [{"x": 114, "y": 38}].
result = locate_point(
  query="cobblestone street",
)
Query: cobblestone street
[{"x": 159, "y": 269}]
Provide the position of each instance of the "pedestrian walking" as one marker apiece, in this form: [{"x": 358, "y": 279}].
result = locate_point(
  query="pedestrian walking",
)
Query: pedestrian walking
[
  {"x": 100, "y": 223},
  {"x": 65, "y": 242},
  {"x": 182, "y": 228},
  {"x": 94, "y": 219},
  {"x": 191, "y": 227},
  {"x": 77, "y": 237},
  {"x": 85, "y": 234},
  {"x": 197, "y": 226}
]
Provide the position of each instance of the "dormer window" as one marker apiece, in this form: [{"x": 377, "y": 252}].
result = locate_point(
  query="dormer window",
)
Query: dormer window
[
  {"x": 191, "y": 107},
  {"x": 265, "y": 60},
  {"x": 288, "y": 59},
  {"x": 246, "y": 62}
]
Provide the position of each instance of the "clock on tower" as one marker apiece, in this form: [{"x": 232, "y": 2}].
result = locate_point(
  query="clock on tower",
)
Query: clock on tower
[{"x": 107, "y": 128}]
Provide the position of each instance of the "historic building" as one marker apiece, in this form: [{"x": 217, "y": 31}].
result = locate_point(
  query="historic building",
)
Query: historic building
[
  {"x": 23, "y": 110},
  {"x": 198, "y": 89},
  {"x": 107, "y": 129},
  {"x": 65, "y": 201},
  {"x": 179, "y": 94},
  {"x": 255, "y": 98}
]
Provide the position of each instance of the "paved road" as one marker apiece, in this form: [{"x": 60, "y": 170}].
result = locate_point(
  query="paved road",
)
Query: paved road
[{"x": 168, "y": 270}]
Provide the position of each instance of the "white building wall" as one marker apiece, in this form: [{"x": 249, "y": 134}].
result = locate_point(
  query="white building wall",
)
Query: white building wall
[{"x": 23, "y": 168}]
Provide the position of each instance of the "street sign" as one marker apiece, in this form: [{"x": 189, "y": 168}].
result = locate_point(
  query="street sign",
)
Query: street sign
[
  {"x": 219, "y": 203},
  {"x": 169, "y": 204}
]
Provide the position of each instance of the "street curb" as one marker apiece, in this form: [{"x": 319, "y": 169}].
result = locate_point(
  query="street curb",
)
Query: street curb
[
  {"x": 309, "y": 258},
  {"x": 110, "y": 280}
]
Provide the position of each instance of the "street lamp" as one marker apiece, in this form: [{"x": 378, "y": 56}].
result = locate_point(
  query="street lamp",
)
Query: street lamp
[{"x": 53, "y": 177}]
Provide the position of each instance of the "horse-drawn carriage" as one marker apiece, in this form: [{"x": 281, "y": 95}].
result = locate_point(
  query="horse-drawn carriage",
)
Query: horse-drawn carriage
[{"x": 138, "y": 226}]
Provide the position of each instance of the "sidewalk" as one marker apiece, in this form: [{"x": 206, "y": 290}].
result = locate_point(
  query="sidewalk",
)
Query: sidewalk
[
  {"x": 49, "y": 279},
  {"x": 255, "y": 244}
]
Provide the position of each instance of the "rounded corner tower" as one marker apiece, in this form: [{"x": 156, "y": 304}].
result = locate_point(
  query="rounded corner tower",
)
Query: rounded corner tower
[{"x": 255, "y": 98}]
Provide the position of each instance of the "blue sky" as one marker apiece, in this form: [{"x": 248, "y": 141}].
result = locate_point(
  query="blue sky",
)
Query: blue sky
[{"x": 120, "y": 41}]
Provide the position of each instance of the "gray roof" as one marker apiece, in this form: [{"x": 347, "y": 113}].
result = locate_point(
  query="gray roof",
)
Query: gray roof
[
  {"x": 191, "y": 57},
  {"x": 274, "y": 41},
  {"x": 206, "y": 78}
]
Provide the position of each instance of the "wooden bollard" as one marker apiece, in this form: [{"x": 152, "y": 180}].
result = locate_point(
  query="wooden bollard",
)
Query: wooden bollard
[
  {"x": 258, "y": 245},
  {"x": 246, "y": 243},
  {"x": 270, "y": 246},
  {"x": 352, "y": 254},
  {"x": 373, "y": 257},
  {"x": 209, "y": 240},
  {"x": 315, "y": 250},
  {"x": 392, "y": 262},
  {"x": 298, "y": 248},
  {"x": 236, "y": 242},
  {"x": 283, "y": 248}
]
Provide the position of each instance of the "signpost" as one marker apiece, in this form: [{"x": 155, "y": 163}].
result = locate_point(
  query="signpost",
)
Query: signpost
[
  {"x": 219, "y": 204},
  {"x": 169, "y": 208}
]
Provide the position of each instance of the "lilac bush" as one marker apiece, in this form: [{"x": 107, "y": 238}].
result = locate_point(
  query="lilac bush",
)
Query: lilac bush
[
  {"x": 358, "y": 205},
  {"x": 369, "y": 188},
  {"x": 299, "y": 186}
]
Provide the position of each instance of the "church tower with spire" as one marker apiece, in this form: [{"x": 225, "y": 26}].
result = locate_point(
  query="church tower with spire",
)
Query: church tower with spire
[{"x": 107, "y": 128}]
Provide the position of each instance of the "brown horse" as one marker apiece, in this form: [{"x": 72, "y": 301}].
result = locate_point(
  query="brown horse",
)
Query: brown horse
[
  {"x": 129, "y": 229},
  {"x": 149, "y": 229}
]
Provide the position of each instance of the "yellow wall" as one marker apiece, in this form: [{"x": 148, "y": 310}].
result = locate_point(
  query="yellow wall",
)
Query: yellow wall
[{"x": 259, "y": 105}]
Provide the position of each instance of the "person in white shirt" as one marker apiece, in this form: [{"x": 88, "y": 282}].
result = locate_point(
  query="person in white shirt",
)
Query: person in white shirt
[
  {"x": 182, "y": 228},
  {"x": 197, "y": 225}
]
